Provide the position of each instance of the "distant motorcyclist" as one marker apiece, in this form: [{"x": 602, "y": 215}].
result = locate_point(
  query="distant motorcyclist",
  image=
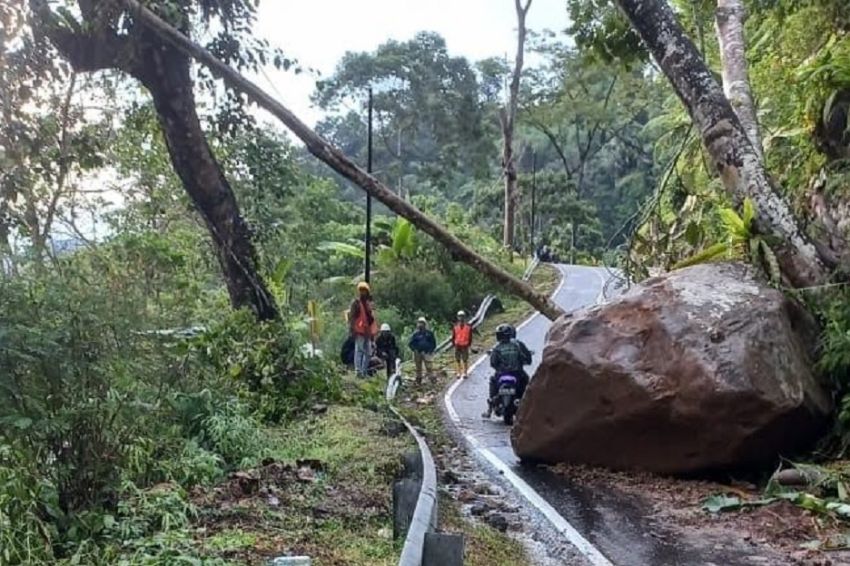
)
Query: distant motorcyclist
[{"x": 507, "y": 358}]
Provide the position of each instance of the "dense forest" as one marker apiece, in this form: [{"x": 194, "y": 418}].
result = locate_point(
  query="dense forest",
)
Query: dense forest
[{"x": 160, "y": 244}]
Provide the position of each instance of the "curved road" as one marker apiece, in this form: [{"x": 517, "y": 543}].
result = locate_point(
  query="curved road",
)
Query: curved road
[{"x": 602, "y": 527}]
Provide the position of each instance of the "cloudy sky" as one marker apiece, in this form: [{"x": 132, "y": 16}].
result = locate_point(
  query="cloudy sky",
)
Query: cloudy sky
[{"x": 319, "y": 32}]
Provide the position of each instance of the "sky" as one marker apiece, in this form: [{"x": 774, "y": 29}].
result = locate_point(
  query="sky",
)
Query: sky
[{"x": 318, "y": 33}]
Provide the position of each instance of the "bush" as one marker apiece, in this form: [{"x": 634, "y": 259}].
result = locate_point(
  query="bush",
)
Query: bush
[
  {"x": 26, "y": 535},
  {"x": 95, "y": 408},
  {"x": 266, "y": 358}
]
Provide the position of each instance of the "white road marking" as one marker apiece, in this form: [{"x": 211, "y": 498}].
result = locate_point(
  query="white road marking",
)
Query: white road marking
[{"x": 563, "y": 526}]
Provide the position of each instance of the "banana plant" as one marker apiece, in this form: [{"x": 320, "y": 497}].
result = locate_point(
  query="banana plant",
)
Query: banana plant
[
  {"x": 741, "y": 242},
  {"x": 403, "y": 243}
]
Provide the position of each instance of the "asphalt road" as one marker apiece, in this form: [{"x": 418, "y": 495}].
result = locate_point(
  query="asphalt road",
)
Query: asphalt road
[
  {"x": 606, "y": 528},
  {"x": 582, "y": 286}
]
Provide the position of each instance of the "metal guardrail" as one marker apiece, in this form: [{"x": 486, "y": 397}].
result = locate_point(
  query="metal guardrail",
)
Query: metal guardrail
[
  {"x": 425, "y": 514},
  {"x": 424, "y": 520}
]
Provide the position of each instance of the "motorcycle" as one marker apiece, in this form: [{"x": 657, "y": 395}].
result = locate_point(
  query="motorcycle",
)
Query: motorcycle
[{"x": 506, "y": 402}]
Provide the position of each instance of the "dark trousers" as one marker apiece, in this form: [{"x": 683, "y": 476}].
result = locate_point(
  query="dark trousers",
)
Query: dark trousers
[{"x": 389, "y": 359}]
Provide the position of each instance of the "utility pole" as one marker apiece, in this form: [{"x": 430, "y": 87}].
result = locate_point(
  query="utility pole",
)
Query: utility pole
[
  {"x": 367, "y": 271},
  {"x": 533, "y": 196}
]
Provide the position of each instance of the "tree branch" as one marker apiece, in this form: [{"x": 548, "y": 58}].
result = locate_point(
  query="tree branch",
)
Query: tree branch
[
  {"x": 319, "y": 147},
  {"x": 556, "y": 145},
  {"x": 87, "y": 51}
]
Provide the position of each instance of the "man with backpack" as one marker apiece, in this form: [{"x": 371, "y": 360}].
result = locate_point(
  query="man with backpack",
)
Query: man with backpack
[
  {"x": 462, "y": 340},
  {"x": 508, "y": 358},
  {"x": 361, "y": 325}
]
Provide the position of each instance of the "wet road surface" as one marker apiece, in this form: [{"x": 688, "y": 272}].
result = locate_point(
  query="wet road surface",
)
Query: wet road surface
[{"x": 618, "y": 525}]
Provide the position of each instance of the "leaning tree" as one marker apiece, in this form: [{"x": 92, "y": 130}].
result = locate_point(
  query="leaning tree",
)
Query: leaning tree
[
  {"x": 803, "y": 260},
  {"x": 96, "y": 35}
]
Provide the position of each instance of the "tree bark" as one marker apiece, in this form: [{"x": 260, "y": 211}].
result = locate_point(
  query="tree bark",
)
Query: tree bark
[
  {"x": 739, "y": 165},
  {"x": 165, "y": 72},
  {"x": 507, "y": 117},
  {"x": 322, "y": 149},
  {"x": 729, "y": 20},
  {"x": 166, "y": 76}
]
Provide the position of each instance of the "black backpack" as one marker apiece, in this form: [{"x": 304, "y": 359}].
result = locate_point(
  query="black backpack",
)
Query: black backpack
[{"x": 346, "y": 354}]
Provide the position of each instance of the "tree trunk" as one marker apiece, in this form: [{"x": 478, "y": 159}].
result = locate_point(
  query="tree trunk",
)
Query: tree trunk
[
  {"x": 165, "y": 73},
  {"x": 729, "y": 23},
  {"x": 507, "y": 118},
  {"x": 739, "y": 165},
  {"x": 322, "y": 149},
  {"x": 510, "y": 174}
]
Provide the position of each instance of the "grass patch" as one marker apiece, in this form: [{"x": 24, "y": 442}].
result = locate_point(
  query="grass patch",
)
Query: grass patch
[
  {"x": 325, "y": 491},
  {"x": 230, "y": 540}
]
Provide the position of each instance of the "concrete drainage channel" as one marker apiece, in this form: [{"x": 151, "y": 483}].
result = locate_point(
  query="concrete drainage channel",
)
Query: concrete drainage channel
[
  {"x": 415, "y": 502},
  {"x": 415, "y": 510},
  {"x": 415, "y": 494}
]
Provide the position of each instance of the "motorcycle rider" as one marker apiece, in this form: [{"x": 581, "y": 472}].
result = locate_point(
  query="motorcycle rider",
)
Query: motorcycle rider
[{"x": 507, "y": 358}]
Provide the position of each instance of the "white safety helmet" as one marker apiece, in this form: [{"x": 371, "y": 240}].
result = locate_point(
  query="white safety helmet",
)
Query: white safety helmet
[
  {"x": 385, "y": 327},
  {"x": 461, "y": 314}
]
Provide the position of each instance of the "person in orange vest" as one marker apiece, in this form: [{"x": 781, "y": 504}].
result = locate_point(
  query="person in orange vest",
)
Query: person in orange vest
[
  {"x": 361, "y": 324},
  {"x": 462, "y": 340}
]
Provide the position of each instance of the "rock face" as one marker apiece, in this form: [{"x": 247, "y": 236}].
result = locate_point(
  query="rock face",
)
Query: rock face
[{"x": 704, "y": 368}]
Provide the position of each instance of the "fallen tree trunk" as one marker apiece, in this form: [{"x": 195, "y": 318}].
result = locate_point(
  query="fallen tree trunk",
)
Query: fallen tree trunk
[
  {"x": 333, "y": 157},
  {"x": 726, "y": 141}
]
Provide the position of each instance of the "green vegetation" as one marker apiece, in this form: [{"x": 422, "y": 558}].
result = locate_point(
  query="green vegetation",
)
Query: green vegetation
[{"x": 158, "y": 391}]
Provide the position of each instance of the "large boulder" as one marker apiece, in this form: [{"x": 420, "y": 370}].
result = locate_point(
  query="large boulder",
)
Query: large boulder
[{"x": 704, "y": 368}]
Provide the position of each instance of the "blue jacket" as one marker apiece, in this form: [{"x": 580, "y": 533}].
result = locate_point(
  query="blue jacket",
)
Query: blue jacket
[{"x": 423, "y": 341}]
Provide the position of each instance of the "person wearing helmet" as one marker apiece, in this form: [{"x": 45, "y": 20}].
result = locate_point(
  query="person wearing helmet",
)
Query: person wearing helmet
[
  {"x": 462, "y": 340},
  {"x": 387, "y": 348},
  {"x": 507, "y": 358},
  {"x": 361, "y": 324},
  {"x": 423, "y": 343}
]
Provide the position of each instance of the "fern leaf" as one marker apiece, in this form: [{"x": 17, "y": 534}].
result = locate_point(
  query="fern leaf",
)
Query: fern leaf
[{"x": 733, "y": 224}]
